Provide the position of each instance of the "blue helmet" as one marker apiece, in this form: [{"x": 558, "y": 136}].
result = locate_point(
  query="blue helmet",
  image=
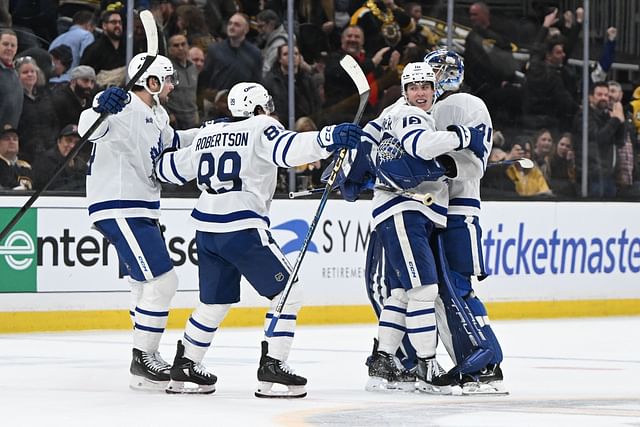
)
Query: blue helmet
[{"x": 449, "y": 69}]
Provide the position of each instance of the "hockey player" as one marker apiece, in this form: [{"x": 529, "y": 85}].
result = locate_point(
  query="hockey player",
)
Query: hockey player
[
  {"x": 235, "y": 162},
  {"x": 124, "y": 203},
  {"x": 406, "y": 141},
  {"x": 461, "y": 239}
]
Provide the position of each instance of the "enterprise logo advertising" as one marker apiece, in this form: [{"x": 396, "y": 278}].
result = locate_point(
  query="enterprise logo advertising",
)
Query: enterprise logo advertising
[{"x": 18, "y": 266}]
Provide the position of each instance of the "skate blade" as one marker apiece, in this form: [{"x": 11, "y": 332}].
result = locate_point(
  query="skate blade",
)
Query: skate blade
[
  {"x": 180, "y": 387},
  {"x": 265, "y": 390},
  {"x": 427, "y": 388},
  {"x": 139, "y": 383},
  {"x": 493, "y": 388},
  {"x": 377, "y": 384}
]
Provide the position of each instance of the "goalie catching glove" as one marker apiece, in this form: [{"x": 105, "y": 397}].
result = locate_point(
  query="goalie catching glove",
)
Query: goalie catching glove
[{"x": 112, "y": 100}]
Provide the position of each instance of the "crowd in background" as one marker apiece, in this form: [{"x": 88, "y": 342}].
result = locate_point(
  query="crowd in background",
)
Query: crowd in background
[{"x": 54, "y": 57}]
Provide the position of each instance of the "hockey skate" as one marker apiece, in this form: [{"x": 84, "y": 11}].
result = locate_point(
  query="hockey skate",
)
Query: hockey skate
[
  {"x": 486, "y": 382},
  {"x": 189, "y": 377},
  {"x": 272, "y": 372},
  {"x": 432, "y": 378},
  {"x": 386, "y": 373},
  {"x": 149, "y": 371}
]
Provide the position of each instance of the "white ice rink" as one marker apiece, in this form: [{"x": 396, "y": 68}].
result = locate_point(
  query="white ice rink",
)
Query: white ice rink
[{"x": 577, "y": 372}]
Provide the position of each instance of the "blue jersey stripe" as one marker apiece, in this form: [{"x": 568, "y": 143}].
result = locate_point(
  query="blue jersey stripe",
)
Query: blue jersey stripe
[
  {"x": 421, "y": 312},
  {"x": 392, "y": 325},
  {"x": 174, "y": 169},
  {"x": 418, "y": 330},
  {"x": 152, "y": 313},
  {"x": 465, "y": 201},
  {"x": 286, "y": 150},
  {"x": 149, "y": 329},
  {"x": 277, "y": 144},
  {"x": 440, "y": 210},
  {"x": 195, "y": 342},
  {"x": 123, "y": 204},
  {"x": 226, "y": 218}
]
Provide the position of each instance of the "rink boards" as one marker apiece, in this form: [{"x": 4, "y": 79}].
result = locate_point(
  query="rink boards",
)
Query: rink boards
[{"x": 546, "y": 259}]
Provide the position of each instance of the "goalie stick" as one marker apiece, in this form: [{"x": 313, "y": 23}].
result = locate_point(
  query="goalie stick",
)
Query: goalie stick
[
  {"x": 426, "y": 198},
  {"x": 351, "y": 67},
  {"x": 151, "y": 33}
]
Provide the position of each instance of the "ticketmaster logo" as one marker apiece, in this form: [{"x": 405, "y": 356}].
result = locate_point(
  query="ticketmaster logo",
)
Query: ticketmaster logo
[{"x": 18, "y": 267}]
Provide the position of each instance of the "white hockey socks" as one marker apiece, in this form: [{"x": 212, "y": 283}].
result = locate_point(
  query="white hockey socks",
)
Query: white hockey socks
[
  {"x": 392, "y": 322},
  {"x": 152, "y": 311},
  {"x": 421, "y": 320},
  {"x": 134, "y": 297},
  {"x": 200, "y": 329},
  {"x": 280, "y": 342}
]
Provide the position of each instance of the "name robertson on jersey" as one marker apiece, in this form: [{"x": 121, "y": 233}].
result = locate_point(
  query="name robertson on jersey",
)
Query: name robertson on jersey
[{"x": 236, "y": 139}]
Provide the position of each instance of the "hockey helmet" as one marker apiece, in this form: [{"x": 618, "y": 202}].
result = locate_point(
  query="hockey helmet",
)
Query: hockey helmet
[
  {"x": 243, "y": 99},
  {"x": 416, "y": 72},
  {"x": 161, "y": 68},
  {"x": 448, "y": 67}
]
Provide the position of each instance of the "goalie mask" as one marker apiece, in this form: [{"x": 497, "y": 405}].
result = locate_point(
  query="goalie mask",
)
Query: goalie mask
[
  {"x": 448, "y": 67},
  {"x": 243, "y": 99},
  {"x": 161, "y": 68},
  {"x": 416, "y": 72}
]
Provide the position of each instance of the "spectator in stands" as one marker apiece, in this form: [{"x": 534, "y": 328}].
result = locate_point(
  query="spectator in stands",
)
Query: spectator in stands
[
  {"x": 216, "y": 13},
  {"x": 38, "y": 121},
  {"x": 182, "y": 105},
  {"x": 383, "y": 24},
  {"x": 164, "y": 13},
  {"x": 191, "y": 23},
  {"x": 232, "y": 60},
  {"x": 605, "y": 133},
  {"x": 272, "y": 36},
  {"x": 108, "y": 52},
  {"x": 71, "y": 98},
  {"x": 10, "y": 88},
  {"x": 196, "y": 55},
  {"x": 559, "y": 168},
  {"x": 528, "y": 182},
  {"x": 626, "y": 168},
  {"x": 79, "y": 36},
  {"x": 547, "y": 102},
  {"x": 72, "y": 177},
  {"x": 307, "y": 99},
  {"x": 15, "y": 174},
  {"x": 542, "y": 146},
  {"x": 341, "y": 98},
  {"x": 62, "y": 58},
  {"x": 488, "y": 59}
]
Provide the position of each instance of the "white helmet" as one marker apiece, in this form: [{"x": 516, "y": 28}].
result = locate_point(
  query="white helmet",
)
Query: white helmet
[
  {"x": 161, "y": 68},
  {"x": 415, "y": 72},
  {"x": 243, "y": 99},
  {"x": 449, "y": 69}
]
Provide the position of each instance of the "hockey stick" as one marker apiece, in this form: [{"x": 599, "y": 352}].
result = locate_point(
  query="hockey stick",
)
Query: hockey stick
[
  {"x": 356, "y": 74},
  {"x": 150, "y": 30},
  {"x": 523, "y": 162},
  {"x": 426, "y": 199}
]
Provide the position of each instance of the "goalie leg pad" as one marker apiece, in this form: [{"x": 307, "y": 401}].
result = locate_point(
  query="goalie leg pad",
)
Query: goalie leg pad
[
  {"x": 467, "y": 335},
  {"x": 478, "y": 309}
]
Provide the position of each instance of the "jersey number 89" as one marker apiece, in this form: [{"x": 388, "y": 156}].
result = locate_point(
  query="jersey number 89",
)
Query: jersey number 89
[{"x": 223, "y": 176}]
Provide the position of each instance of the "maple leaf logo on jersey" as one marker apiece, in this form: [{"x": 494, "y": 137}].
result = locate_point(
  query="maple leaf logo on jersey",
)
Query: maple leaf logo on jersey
[
  {"x": 155, "y": 152},
  {"x": 300, "y": 228}
]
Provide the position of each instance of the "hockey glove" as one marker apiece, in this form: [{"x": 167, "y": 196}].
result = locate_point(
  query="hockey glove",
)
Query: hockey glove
[
  {"x": 470, "y": 138},
  {"x": 112, "y": 100},
  {"x": 336, "y": 137}
]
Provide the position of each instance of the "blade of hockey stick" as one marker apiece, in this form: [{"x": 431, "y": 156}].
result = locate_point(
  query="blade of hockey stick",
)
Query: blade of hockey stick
[
  {"x": 356, "y": 74},
  {"x": 523, "y": 162},
  {"x": 151, "y": 33}
]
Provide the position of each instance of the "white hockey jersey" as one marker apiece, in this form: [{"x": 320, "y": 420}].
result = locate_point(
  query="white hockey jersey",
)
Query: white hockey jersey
[
  {"x": 236, "y": 166},
  {"x": 120, "y": 179},
  {"x": 415, "y": 130},
  {"x": 468, "y": 110}
]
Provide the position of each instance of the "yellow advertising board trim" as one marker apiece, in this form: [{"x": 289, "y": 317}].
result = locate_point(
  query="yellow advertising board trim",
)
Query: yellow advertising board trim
[{"x": 50, "y": 321}]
